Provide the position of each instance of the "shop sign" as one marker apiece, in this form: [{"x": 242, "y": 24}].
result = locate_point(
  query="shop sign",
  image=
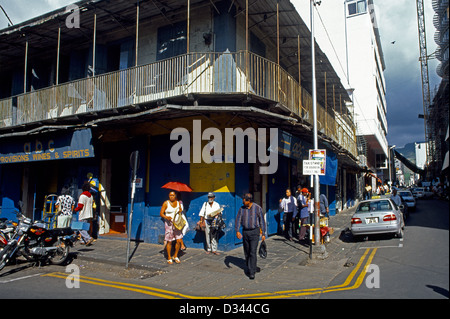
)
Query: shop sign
[
  {"x": 289, "y": 145},
  {"x": 47, "y": 147}
]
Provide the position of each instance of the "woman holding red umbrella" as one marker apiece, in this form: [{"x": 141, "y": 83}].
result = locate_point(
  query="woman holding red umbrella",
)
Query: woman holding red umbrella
[{"x": 168, "y": 210}]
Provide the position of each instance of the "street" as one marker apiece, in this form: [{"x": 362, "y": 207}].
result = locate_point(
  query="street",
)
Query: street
[{"x": 416, "y": 266}]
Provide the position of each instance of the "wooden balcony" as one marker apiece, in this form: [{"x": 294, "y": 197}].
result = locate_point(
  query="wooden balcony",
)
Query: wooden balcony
[{"x": 207, "y": 74}]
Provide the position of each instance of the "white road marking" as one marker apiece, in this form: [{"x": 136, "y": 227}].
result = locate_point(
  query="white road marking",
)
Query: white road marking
[{"x": 20, "y": 278}]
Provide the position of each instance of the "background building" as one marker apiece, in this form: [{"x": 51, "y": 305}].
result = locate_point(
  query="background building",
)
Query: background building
[
  {"x": 347, "y": 32},
  {"x": 438, "y": 113}
]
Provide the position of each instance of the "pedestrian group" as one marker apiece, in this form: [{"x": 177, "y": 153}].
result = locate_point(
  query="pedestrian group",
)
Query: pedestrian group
[
  {"x": 65, "y": 206},
  {"x": 250, "y": 225}
]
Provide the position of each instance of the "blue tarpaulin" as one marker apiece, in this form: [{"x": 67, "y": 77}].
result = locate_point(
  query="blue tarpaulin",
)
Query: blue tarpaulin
[{"x": 331, "y": 170}]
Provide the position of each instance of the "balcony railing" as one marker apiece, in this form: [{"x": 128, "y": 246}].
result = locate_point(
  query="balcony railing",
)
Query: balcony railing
[{"x": 197, "y": 73}]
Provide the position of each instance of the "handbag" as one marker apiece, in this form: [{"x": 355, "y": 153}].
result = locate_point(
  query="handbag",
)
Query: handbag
[
  {"x": 178, "y": 221},
  {"x": 218, "y": 223},
  {"x": 263, "y": 250},
  {"x": 200, "y": 226}
]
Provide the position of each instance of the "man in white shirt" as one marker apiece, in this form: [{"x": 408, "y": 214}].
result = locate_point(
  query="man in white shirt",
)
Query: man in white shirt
[
  {"x": 289, "y": 207},
  {"x": 207, "y": 213},
  {"x": 396, "y": 198}
]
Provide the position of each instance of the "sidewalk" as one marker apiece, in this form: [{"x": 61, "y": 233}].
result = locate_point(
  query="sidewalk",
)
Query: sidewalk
[{"x": 286, "y": 267}]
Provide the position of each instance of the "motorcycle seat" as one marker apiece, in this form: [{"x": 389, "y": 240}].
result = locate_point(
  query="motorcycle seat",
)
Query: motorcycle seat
[{"x": 61, "y": 231}]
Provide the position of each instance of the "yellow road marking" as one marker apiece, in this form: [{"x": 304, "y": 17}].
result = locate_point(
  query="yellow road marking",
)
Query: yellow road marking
[{"x": 268, "y": 295}]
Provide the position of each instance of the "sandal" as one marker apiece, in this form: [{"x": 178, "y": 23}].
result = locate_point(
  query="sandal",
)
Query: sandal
[
  {"x": 177, "y": 260},
  {"x": 169, "y": 261}
]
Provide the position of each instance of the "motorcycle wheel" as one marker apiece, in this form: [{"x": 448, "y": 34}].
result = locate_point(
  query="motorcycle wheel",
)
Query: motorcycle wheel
[
  {"x": 4, "y": 257},
  {"x": 60, "y": 256}
]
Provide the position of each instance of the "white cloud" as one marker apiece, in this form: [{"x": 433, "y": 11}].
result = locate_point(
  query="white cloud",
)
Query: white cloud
[{"x": 22, "y": 10}]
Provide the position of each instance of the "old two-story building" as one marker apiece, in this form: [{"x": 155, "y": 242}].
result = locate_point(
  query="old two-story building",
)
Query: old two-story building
[{"x": 83, "y": 87}]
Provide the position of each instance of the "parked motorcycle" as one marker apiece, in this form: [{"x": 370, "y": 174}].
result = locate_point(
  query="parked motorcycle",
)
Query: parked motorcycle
[
  {"x": 37, "y": 243},
  {"x": 6, "y": 231}
]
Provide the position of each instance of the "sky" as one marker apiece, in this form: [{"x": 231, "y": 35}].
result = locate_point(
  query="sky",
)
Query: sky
[{"x": 397, "y": 21}]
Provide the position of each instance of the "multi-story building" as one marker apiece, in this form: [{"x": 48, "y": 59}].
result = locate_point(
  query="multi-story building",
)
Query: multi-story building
[
  {"x": 348, "y": 33},
  {"x": 82, "y": 89},
  {"x": 438, "y": 112}
]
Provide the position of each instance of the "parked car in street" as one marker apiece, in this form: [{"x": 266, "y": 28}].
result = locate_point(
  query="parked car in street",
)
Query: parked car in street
[
  {"x": 377, "y": 216},
  {"x": 427, "y": 193},
  {"x": 421, "y": 192},
  {"x": 417, "y": 192},
  {"x": 408, "y": 197}
]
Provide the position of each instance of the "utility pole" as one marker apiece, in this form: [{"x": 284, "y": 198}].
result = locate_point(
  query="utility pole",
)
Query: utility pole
[{"x": 319, "y": 248}]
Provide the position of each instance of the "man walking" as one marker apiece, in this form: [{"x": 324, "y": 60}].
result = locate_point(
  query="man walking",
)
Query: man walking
[
  {"x": 324, "y": 208},
  {"x": 250, "y": 217},
  {"x": 85, "y": 203}
]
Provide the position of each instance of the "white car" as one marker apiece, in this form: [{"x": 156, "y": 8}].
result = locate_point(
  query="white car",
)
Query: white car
[
  {"x": 408, "y": 198},
  {"x": 377, "y": 216},
  {"x": 421, "y": 192}
]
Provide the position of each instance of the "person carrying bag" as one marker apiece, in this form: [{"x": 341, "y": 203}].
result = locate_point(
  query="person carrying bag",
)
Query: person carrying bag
[{"x": 207, "y": 213}]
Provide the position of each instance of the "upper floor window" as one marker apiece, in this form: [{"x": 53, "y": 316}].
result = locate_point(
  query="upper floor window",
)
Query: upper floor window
[{"x": 357, "y": 7}]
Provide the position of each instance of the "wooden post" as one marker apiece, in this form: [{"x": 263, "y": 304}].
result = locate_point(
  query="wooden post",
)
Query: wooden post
[
  {"x": 94, "y": 44},
  {"x": 188, "y": 24},
  {"x": 25, "y": 68},
  {"x": 57, "y": 56},
  {"x": 137, "y": 35}
]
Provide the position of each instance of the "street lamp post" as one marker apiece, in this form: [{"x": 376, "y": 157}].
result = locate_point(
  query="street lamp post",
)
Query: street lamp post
[{"x": 316, "y": 184}]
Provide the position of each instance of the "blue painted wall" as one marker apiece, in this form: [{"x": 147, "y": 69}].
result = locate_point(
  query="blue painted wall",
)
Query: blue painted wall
[
  {"x": 277, "y": 184},
  {"x": 147, "y": 224},
  {"x": 10, "y": 185}
]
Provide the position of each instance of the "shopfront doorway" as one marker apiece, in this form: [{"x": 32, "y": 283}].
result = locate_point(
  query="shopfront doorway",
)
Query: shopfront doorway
[{"x": 115, "y": 177}]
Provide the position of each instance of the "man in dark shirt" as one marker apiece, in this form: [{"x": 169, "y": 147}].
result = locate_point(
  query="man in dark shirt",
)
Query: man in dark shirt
[{"x": 250, "y": 216}]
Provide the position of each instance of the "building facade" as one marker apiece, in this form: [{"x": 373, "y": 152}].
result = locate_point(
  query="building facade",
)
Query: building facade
[
  {"x": 232, "y": 80},
  {"x": 348, "y": 33},
  {"x": 438, "y": 112}
]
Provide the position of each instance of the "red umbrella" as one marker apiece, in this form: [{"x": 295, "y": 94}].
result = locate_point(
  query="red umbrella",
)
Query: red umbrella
[{"x": 177, "y": 186}]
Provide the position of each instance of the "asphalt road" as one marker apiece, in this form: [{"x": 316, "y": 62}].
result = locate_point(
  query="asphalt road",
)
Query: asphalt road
[{"x": 416, "y": 266}]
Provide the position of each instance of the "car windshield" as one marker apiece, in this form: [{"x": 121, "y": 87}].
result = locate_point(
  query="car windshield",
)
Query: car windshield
[
  {"x": 374, "y": 206},
  {"x": 404, "y": 194}
]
